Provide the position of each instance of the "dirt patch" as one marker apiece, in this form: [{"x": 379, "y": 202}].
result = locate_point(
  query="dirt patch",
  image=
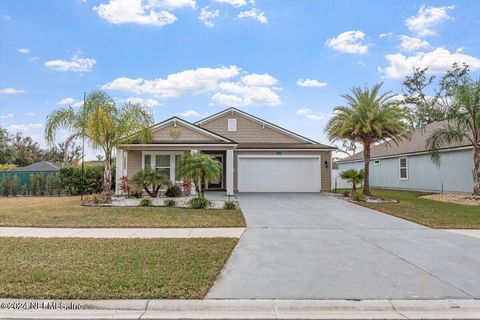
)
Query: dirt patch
[{"x": 469, "y": 200}]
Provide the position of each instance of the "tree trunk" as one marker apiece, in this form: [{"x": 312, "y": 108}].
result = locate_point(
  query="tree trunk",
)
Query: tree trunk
[
  {"x": 366, "y": 159},
  {"x": 476, "y": 169},
  {"x": 107, "y": 175},
  {"x": 354, "y": 188}
]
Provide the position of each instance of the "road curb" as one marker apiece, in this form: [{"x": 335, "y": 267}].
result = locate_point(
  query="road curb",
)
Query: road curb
[{"x": 243, "y": 309}]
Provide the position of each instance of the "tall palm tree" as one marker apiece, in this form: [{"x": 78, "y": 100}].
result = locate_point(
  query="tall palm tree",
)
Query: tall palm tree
[
  {"x": 369, "y": 117},
  {"x": 103, "y": 124},
  {"x": 462, "y": 124},
  {"x": 200, "y": 168}
]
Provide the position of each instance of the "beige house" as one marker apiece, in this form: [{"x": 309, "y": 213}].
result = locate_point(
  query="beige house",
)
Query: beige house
[{"x": 257, "y": 156}]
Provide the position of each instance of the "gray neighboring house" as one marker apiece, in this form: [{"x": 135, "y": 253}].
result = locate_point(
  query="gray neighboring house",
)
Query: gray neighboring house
[
  {"x": 42, "y": 166},
  {"x": 408, "y": 166}
]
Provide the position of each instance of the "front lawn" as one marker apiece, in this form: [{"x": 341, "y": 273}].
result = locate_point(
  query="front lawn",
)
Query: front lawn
[
  {"x": 67, "y": 212},
  {"x": 68, "y": 268},
  {"x": 427, "y": 212}
]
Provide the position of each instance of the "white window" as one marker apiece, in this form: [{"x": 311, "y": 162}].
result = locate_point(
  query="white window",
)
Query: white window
[
  {"x": 162, "y": 161},
  {"x": 232, "y": 125},
  {"x": 403, "y": 165},
  {"x": 376, "y": 162},
  {"x": 162, "y": 164}
]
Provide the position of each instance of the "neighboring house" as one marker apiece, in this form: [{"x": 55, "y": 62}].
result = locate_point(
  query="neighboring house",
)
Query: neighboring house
[
  {"x": 42, "y": 166},
  {"x": 257, "y": 156},
  {"x": 409, "y": 166}
]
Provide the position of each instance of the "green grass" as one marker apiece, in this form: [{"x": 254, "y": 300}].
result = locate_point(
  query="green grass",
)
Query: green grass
[
  {"x": 69, "y": 268},
  {"x": 67, "y": 212},
  {"x": 435, "y": 214}
]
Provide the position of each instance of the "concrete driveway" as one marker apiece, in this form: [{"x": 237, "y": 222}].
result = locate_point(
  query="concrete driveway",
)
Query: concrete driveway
[{"x": 313, "y": 246}]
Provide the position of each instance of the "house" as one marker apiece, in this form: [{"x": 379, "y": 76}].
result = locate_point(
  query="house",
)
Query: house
[
  {"x": 409, "y": 166},
  {"x": 42, "y": 166},
  {"x": 257, "y": 156}
]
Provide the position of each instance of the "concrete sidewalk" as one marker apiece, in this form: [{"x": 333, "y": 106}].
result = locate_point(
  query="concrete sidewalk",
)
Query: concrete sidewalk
[
  {"x": 243, "y": 309},
  {"x": 122, "y": 232}
]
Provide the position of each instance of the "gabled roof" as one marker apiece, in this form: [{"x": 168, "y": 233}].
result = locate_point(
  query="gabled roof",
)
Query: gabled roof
[
  {"x": 415, "y": 144},
  {"x": 263, "y": 122},
  {"x": 175, "y": 120},
  {"x": 42, "y": 166}
]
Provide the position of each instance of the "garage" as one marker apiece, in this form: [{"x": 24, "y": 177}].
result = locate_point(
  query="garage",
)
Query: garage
[{"x": 277, "y": 173}]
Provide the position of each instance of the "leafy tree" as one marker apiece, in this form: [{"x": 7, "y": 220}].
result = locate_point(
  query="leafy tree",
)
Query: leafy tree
[
  {"x": 67, "y": 152},
  {"x": 368, "y": 118},
  {"x": 462, "y": 125},
  {"x": 151, "y": 180},
  {"x": 354, "y": 177},
  {"x": 103, "y": 124},
  {"x": 428, "y": 108},
  {"x": 200, "y": 168},
  {"x": 6, "y": 150},
  {"x": 25, "y": 150}
]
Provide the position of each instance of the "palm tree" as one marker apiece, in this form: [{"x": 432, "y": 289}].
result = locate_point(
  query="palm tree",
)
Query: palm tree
[
  {"x": 462, "y": 124},
  {"x": 354, "y": 177},
  {"x": 200, "y": 168},
  {"x": 150, "y": 180},
  {"x": 103, "y": 124},
  {"x": 368, "y": 118}
]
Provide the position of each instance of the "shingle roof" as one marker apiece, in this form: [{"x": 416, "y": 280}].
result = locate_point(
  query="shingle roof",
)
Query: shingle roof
[
  {"x": 273, "y": 145},
  {"x": 416, "y": 143},
  {"x": 41, "y": 166}
]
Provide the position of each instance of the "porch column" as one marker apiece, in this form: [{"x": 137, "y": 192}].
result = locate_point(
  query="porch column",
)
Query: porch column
[
  {"x": 229, "y": 171},
  {"x": 118, "y": 170}
]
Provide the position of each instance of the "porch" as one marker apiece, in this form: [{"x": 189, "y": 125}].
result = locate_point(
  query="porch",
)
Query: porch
[{"x": 134, "y": 158}]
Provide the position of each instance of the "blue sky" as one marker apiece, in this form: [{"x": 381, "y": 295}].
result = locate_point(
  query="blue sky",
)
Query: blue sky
[{"x": 285, "y": 61}]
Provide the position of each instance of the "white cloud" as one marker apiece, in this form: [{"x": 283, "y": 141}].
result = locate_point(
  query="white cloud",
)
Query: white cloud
[
  {"x": 207, "y": 17},
  {"x": 190, "y": 113},
  {"x": 437, "y": 61},
  {"x": 147, "y": 102},
  {"x": 255, "y": 79},
  {"x": 349, "y": 42},
  {"x": 77, "y": 104},
  {"x": 66, "y": 101},
  {"x": 75, "y": 64},
  {"x": 311, "y": 83},
  {"x": 311, "y": 115},
  {"x": 23, "y": 50},
  {"x": 11, "y": 91},
  {"x": 385, "y": 35},
  {"x": 226, "y": 100},
  {"x": 189, "y": 81},
  {"x": 6, "y": 116},
  {"x": 24, "y": 127},
  {"x": 135, "y": 11},
  {"x": 427, "y": 18},
  {"x": 34, "y": 58},
  {"x": 413, "y": 44},
  {"x": 30, "y": 114},
  {"x": 171, "y": 4},
  {"x": 236, "y": 3},
  {"x": 255, "y": 14},
  {"x": 250, "y": 89}
]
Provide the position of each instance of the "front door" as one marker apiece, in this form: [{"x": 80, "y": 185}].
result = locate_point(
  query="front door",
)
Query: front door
[{"x": 217, "y": 185}]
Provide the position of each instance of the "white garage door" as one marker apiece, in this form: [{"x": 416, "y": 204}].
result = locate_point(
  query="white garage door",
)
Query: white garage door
[{"x": 278, "y": 173}]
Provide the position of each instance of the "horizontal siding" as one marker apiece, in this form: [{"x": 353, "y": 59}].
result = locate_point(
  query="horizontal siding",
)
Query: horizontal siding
[
  {"x": 247, "y": 130},
  {"x": 454, "y": 172}
]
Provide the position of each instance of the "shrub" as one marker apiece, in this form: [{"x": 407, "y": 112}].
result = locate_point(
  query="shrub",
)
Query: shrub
[
  {"x": 346, "y": 194},
  {"x": 125, "y": 186},
  {"x": 199, "y": 203},
  {"x": 150, "y": 180},
  {"x": 358, "y": 196},
  {"x": 169, "y": 203},
  {"x": 41, "y": 183},
  {"x": 24, "y": 189},
  {"x": 6, "y": 185},
  {"x": 50, "y": 185},
  {"x": 229, "y": 205},
  {"x": 33, "y": 185},
  {"x": 146, "y": 202},
  {"x": 14, "y": 185},
  {"x": 173, "y": 191}
]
